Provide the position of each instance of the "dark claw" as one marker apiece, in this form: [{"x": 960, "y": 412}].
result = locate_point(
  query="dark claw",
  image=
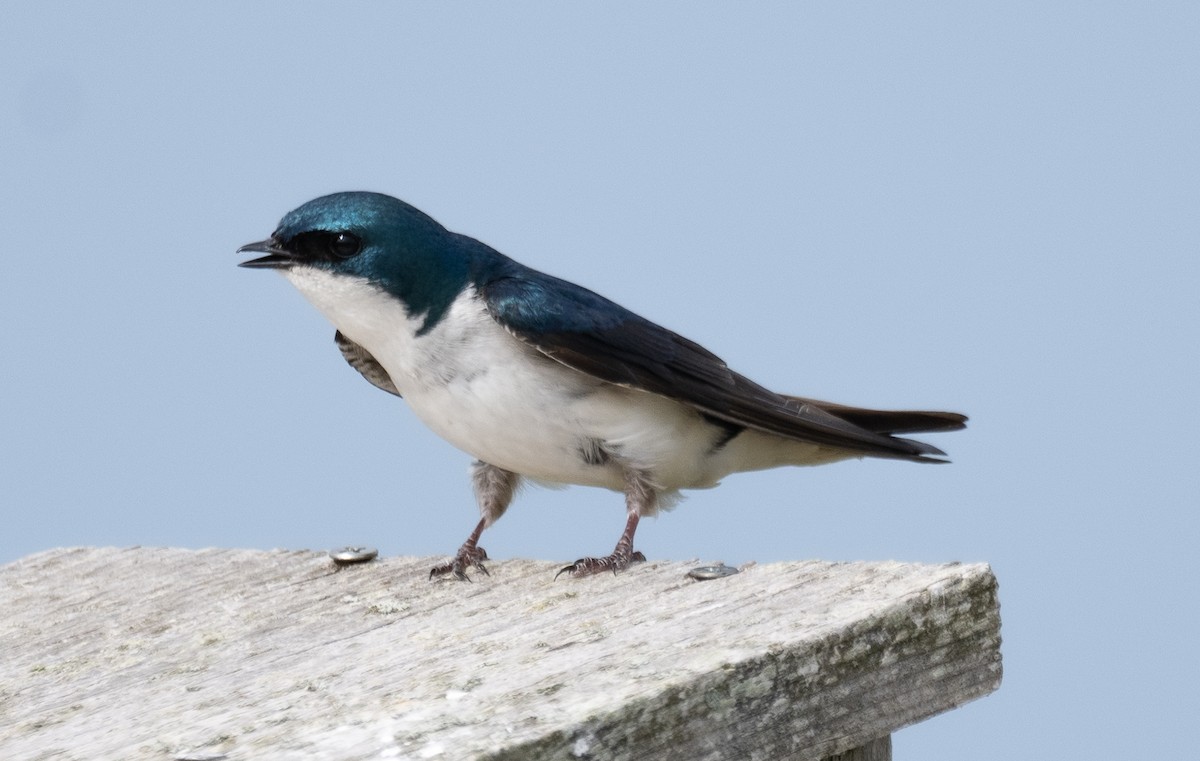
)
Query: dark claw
[
  {"x": 467, "y": 557},
  {"x": 589, "y": 566}
]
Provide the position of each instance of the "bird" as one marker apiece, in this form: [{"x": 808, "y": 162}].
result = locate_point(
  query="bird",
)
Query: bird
[{"x": 539, "y": 379}]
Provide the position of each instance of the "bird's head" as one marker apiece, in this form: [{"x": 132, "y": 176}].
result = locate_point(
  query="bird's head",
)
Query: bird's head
[{"x": 370, "y": 237}]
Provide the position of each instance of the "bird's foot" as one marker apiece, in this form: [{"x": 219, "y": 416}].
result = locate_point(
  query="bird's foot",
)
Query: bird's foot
[
  {"x": 621, "y": 559},
  {"x": 468, "y": 556}
]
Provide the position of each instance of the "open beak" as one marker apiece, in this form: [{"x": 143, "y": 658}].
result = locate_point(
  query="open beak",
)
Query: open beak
[{"x": 276, "y": 258}]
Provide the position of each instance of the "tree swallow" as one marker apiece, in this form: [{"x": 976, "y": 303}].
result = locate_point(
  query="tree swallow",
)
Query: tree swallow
[{"x": 539, "y": 378}]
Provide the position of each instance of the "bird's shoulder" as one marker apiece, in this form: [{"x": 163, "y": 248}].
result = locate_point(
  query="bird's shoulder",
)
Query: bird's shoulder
[{"x": 584, "y": 330}]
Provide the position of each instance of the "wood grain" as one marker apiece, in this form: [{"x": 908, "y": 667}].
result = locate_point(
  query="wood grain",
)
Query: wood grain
[{"x": 167, "y": 653}]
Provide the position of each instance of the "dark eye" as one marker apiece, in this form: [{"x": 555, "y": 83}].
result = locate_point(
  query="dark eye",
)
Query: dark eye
[
  {"x": 344, "y": 245},
  {"x": 324, "y": 246}
]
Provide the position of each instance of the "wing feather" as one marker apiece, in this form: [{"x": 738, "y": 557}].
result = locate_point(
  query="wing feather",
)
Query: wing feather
[
  {"x": 587, "y": 332},
  {"x": 360, "y": 359}
]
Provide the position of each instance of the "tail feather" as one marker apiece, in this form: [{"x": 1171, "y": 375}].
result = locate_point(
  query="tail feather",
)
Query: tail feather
[{"x": 888, "y": 421}]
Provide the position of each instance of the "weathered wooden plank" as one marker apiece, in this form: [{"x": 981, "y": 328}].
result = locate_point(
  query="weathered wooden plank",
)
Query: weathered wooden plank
[
  {"x": 162, "y": 653},
  {"x": 876, "y": 750}
]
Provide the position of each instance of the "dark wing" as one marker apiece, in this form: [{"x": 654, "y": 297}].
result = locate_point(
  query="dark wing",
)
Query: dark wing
[
  {"x": 360, "y": 359},
  {"x": 589, "y": 333}
]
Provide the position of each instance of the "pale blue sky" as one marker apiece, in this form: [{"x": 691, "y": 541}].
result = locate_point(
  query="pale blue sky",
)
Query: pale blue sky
[{"x": 993, "y": 210}]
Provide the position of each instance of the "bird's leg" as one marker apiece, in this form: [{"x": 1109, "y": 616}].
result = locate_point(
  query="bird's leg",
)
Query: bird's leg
[
  {"x": 494, "y": 489},
  {"x": 640, "y": 499},
  {"x": 468, "y": 556}
]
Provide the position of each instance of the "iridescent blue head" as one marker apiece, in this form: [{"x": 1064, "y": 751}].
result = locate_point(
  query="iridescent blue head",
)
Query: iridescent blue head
[{"x": 376, "y": 238}]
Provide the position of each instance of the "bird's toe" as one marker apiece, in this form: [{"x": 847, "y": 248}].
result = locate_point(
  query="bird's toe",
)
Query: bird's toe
[
  {"x": 618, "y": 561},
  {"x": 466, "y": 557}
]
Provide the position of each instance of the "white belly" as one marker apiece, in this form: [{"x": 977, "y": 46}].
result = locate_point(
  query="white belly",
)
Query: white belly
[{"x": 503, "y": 402}]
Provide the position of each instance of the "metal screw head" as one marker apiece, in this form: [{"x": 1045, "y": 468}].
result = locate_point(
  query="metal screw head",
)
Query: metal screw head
[
  {"x": 707, "y": 572},
  {"x": 352, "y": 555}
]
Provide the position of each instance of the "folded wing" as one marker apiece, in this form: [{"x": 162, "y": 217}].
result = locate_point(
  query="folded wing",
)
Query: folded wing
[{"x": 589, "y": 333}]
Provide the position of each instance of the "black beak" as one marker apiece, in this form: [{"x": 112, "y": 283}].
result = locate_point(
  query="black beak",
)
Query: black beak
[{"x": 276, "y": 258}]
